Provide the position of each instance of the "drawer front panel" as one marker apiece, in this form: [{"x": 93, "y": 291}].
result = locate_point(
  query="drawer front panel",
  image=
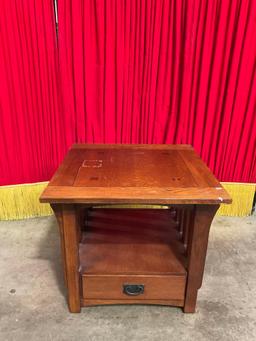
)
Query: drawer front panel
[{"x": 133, "y": 287}]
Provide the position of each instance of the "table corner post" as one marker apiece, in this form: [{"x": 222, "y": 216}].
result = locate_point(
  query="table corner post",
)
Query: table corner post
[
  {"x": 197, "y": 249},
  {"x": 66, "y": 215}
]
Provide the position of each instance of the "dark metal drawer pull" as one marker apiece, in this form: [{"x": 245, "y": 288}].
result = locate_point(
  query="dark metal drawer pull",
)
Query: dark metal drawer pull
[{"x": 133, "y": 289}]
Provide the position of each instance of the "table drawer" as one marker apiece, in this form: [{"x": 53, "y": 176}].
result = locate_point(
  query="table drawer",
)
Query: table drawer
[{"x": 133, "y": 287}]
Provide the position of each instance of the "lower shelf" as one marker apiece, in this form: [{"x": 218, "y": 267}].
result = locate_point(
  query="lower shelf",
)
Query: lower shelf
[{"x": 139, "y": 250}]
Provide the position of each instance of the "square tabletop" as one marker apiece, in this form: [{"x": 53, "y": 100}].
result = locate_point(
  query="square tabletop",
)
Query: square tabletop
[{"x": 137, "y": 174}]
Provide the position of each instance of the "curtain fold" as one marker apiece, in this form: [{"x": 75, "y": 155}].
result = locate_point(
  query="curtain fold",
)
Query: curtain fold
[
  {"x": 137, "y": 71},
  {"x": 32, "y": 140}
]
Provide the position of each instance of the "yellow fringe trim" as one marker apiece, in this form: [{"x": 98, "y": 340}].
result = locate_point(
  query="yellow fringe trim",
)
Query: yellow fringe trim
[
  {"x": 22, "y": 201},
  {"x": 242, "y": 195}
]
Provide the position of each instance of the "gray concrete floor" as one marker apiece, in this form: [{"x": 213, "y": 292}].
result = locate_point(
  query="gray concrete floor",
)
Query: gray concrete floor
[{"x": 32, "y": 294}]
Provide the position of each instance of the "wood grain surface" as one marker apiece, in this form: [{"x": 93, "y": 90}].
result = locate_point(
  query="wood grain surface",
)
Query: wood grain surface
[{"x": 158, "y": 174}]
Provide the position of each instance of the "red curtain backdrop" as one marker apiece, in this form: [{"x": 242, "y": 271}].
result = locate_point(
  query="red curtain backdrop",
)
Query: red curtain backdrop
[
  {"x": 133, "y": 71},
  {"x": 30, "y": 124},
  {"x": 163, "y": 72}
]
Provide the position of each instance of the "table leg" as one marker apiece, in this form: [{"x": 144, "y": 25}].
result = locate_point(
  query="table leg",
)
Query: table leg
[
  {"x": 69, "y": 235},
  {"x": 197, "y": 248}
]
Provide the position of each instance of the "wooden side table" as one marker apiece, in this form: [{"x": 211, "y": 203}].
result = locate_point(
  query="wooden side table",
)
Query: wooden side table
[{"x": 122, "y": 255}]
